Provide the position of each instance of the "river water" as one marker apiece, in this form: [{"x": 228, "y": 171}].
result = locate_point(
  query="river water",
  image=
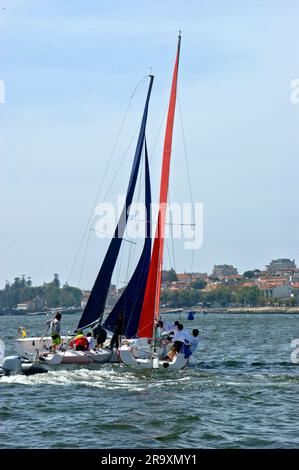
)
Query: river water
[{"x": 240, "y": 391}]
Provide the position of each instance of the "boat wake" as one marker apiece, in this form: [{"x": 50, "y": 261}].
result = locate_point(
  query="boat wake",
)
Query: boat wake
[{"x": 107, "y": 378}]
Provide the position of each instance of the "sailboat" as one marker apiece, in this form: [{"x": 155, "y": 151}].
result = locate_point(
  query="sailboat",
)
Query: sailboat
[
  {"x": 140, "y": 300},
  {"x": 95, "y": 307},
  {"x": 133, "y": 354}
]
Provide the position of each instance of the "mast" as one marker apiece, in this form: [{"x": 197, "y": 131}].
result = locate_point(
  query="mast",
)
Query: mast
[
  {"x": 95, "y": 306},
  {"x": 151, "y": 302}
]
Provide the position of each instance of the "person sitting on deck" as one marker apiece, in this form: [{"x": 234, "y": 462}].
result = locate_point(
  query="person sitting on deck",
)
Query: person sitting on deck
[
  {"x": 171, "y": 355},
  {"x": 180, "y": 338},
  {"x": 79, "y": 342}
]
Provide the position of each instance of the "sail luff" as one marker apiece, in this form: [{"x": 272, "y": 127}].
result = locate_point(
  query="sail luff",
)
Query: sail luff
[
  {"x": 96, "y": 303},
  {"x": 150, "y": 308}
]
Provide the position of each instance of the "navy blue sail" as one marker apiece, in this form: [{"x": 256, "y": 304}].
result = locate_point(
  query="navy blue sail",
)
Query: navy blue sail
[
  {"x": 96, "y": 303},
  {"x": 131, "y": 300}
]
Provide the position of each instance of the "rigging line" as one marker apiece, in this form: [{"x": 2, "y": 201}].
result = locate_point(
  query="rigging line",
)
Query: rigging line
[
  {"x": 188, "y": 172},
  {"x": 116, "y": 173},
  {"x": 166, "y": 223},
  {"x": 168, "y": 254},
  {"x": 131, "y": 251},
  {"x": 151, "y": 154},
  {"x": 158, "y": 133},
  {"x": 88, "y": 237},
  {"x": 120, "y": 165},
  {"x": 83, "y": 261},
  {"x": 171, "y": 231},
  {"x": 104, "y": 176},
  {"x": 93, "y": 220},
  {"x": 119, "y": 263},
  {"x": 110, "y": 235}
]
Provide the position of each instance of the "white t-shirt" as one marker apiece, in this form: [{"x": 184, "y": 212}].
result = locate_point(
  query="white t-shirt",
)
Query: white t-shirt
[
  {"x": 181, "y": 335},
  {"x": 170, "y": 327},
  {"x": 92, "y": 342},
  {"x": 55, "y": 326},
  {"x": 193, "y": 342}
]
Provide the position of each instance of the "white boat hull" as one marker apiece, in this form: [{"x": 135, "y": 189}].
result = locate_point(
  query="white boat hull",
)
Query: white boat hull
[
  {"x": 30, "y": 347},
  {"x": 127, "y": 356},
  {"x": 36, "y": 347},
  {"x": 79, "y": 357}
]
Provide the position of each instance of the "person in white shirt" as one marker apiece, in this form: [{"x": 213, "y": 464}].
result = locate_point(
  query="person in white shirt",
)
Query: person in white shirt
[
  {"x": 55, "y": 328},
  {"x": 92, "y": 342},
  {"x": 180, "y": 338},
  {"x": 171, "y": 329},
  {"x": 159, "y": 328}
]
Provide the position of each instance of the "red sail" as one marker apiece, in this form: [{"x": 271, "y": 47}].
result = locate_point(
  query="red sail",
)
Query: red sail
[{"x": 151, "y": 302}]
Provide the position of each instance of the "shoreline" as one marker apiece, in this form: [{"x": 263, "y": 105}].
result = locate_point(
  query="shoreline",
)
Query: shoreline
[
  {"x": 235, "y": 310},
  {"x": 197, "y": 310}
]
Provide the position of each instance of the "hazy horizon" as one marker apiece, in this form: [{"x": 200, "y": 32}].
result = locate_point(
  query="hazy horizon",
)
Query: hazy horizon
[{"x": 69, "y": 71}]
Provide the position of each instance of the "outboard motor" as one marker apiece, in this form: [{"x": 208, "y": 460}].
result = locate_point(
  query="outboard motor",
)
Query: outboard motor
[
  {"x": 15, "y": 365},
  {"x": 12, "y": 365}
]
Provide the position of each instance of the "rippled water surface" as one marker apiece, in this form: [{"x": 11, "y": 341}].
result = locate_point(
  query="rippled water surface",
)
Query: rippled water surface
[{"x": 240, "y": 390}]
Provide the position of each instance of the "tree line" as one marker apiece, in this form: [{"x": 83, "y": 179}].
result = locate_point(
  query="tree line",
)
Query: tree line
[
  {"x": 221, "y": 296},
  {"x": 49, "y": 295}
]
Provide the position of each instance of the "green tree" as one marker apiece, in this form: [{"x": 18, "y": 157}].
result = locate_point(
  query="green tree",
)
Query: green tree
[
  {"x": 198, "y": 284},
  {"x": 252, "y": 274},
  {"x": 249, "y": 296},
  {"x": 222, "y": 295},
  {"x": 56, "y": 281},
  {"x": 169, "y": 276}
]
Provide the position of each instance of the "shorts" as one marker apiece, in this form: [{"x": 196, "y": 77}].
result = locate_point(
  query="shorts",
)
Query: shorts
[{"x": 56, "y": 340}]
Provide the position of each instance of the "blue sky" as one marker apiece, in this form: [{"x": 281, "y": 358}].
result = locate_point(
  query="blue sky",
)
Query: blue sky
[{"x": 70, "y": 67}]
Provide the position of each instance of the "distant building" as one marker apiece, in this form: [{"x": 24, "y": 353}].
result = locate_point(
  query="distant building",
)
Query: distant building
[
  {"x": 275, "y": 288},
  {"x": 26, "y": 306},
  {"x": 183, "y": 281},
  {"x": 281, "y": 267},
  {"x": 202, "y": 276},
  {"x": 22, "y": 306},
  {"x": 281, "y": 292},
  {"x": 224, "y": 270},
  {"x": 295, "y": 290},
  {"x": 231, "y": 279}
]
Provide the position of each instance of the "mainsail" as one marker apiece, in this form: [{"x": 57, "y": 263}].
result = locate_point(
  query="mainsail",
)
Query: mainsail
[
  {"x": 96, "y": 303},
  {"x": 150, "y": 308},
  {"x": 130, "y": 302}
]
